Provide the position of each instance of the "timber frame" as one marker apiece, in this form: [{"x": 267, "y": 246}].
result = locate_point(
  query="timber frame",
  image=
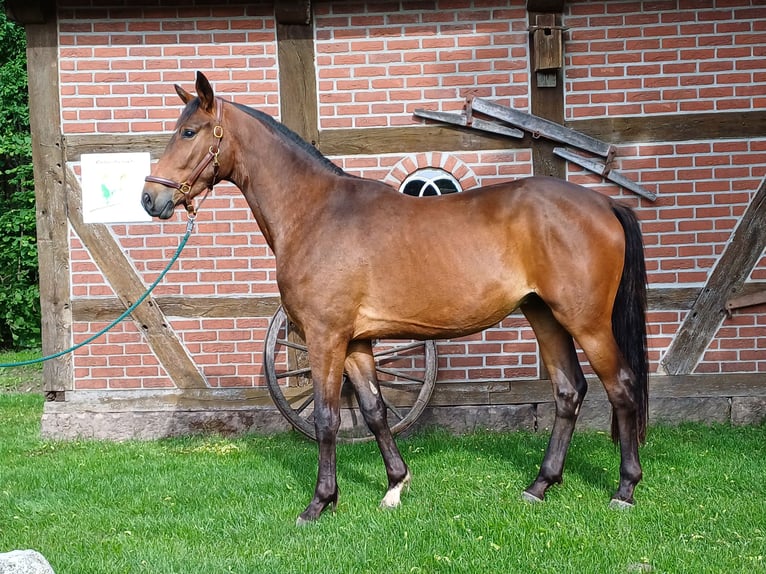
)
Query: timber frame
[{"x": 59, "y": 201}]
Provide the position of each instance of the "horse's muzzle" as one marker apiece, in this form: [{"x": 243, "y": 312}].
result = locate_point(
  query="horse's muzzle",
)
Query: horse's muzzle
[{"x": 158, "y": 206}]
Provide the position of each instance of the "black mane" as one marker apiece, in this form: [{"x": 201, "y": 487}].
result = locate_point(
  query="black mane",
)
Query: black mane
[{"x": 290, "y": 135}]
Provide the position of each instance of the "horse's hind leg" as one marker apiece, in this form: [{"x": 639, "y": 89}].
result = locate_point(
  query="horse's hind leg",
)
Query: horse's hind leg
[
  {"x": 618, "y": 380},
  {"x": 360, "y": 368},
  {"x": 569, "y": 388}
]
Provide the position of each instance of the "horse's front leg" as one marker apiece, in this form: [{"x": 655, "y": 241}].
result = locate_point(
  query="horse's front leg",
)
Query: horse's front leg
[
  {"x": 360, "y": 368},
  {"x": 327, "y": 374}
]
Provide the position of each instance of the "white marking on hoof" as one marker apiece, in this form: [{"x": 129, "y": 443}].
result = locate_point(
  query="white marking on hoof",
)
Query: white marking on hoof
[
  {"x": 531, "y": 498},
  {"x": 620, "y": 504},
  {"x": 392, "y": 499}
]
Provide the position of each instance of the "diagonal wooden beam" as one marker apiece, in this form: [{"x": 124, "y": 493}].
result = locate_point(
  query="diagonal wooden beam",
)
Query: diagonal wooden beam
[
  {"x": 744, "y": 250},
  {"x": 126, "y": 283}
]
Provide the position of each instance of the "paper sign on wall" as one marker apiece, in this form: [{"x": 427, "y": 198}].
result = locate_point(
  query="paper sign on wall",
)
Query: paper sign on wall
[{"x": 112, "y": 185}]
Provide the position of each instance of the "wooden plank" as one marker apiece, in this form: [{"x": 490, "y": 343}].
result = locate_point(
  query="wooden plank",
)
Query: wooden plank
[
  {"x": 529, "y": 391},
  {"x": 539, "y": 125},
  {"x": 118, "y": 271},
  {"x": 297, "y": 78},
  {"x": 746, "y": 300},
  {"x": 413, "y": 139},
  {"x": 76, "y": 145},
  {"x": 51, "y": 203},
  {"x": 600, "y": 168},
  {"x": 108, "y": 309},
  {"x": 726, "y": 280},
  {"x": 674, "y": 127},
  {"x": 463, "y": 120}
]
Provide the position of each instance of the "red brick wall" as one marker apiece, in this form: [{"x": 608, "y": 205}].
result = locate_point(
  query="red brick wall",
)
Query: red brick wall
[
  {"x": 118, "y": 64},
  {"x": 679, "y": 56},
  {"x": 373, "y": 68},
  {"x": 669, "y": 56},
  {"x": 376, "y": 66}
]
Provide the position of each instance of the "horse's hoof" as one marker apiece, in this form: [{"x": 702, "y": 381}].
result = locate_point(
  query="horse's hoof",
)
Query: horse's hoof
[
  {"x": 300, "y": 521},
  {"x": 617, "y": 504},
  {"x": 393, "y": 497},
  {"x": 531, "y": 498},
  {"x": 315, "y": 510}
]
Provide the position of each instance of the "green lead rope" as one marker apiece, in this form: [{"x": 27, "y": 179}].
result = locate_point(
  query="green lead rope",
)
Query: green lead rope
[{"x": 128, "y": 311}]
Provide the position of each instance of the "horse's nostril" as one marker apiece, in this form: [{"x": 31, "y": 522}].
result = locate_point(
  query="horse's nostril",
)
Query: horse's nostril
[{"x": 146, "y": 201}]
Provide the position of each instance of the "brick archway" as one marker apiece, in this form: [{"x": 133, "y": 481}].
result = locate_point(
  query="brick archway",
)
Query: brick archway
[{"x": 446, "y": 161}]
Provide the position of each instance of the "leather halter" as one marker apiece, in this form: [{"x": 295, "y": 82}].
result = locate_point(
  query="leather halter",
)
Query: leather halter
[{"x": 185, "y": 187}]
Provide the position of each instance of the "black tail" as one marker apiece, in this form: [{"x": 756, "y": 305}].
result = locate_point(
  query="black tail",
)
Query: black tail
[{"x": 629, "y": 316}]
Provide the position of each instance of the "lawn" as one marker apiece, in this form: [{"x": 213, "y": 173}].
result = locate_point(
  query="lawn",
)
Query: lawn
[
  {"x": 25, "y": 378},
  {"x": 214, "y": 504}
]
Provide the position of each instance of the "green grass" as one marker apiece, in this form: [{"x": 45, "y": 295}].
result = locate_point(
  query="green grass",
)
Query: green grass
[
  {"x": 26, "y": 378},
  {"x": 228, "y": 505}
]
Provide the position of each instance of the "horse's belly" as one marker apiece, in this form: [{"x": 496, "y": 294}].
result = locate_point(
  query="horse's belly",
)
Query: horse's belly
[{"x": 437, "y": 313}]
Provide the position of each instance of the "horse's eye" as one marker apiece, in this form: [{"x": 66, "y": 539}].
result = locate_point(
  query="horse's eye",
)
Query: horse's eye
[{"x": 188, "y": 133}]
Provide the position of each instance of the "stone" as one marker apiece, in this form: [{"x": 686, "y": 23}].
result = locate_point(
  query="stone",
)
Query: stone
[
  {"x": 674, "y": 411},
  {"x": 24, "y": 562},
  {"x": 748, "y": 410}
]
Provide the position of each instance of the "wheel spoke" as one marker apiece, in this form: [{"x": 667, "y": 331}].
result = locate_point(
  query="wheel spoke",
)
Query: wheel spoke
[
  {"x": 302, "y": 407},
  {"x": 294, "y": 373},
  {"x": 398, "y": 374},
  {"x": 399, "y": 349},
  {"x": 393, "y": 409},
  {"x": 292, "y": 345},
  {"x": 406, "y": 374}
]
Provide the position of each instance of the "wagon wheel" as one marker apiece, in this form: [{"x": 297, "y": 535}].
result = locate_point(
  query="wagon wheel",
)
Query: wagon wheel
[{"x": 406, "y": 372}]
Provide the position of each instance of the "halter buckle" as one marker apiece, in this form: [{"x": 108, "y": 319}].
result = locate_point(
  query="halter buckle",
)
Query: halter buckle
[{"x": 218, "y": 132}]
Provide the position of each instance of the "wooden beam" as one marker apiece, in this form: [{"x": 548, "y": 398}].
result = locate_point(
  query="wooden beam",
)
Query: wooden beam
[
  {"x": 546, "y": 6},
  {"x": 51, "y": 203},
  {"x": 296, "y": 12},
  {"x": 297, "y": 72},
  {"x": 435, "y": 137},
  {"x": 546, "y": 103},
  {"x": 674, "y": 127},
  {"x": 76, "y": 145},
  {"x": 31, "y": 11},
  {"x": 412, "y": 139},
  {"x": 119, "y": 273},
  {"x": 726, "y": 279},
  {"x": 109, "y": 308}
]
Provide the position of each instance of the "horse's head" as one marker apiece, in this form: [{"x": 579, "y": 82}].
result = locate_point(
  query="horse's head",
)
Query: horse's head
[{"x": 189, "y": 164}]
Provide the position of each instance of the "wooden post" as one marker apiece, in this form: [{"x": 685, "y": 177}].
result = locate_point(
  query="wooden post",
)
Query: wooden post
[
  {"x": 51, "y": 202},
  {"x": 297, "y": 73},
  {"x": 546, "y": 102}
]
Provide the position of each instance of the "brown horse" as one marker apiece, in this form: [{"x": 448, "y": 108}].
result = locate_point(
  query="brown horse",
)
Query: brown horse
[{"x": 357, "y": 261}]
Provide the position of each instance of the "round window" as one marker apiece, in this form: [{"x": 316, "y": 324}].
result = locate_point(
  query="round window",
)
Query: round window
[{"x": 430, "y": 181}]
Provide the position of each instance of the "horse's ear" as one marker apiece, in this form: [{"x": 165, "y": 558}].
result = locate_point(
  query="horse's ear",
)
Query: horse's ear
[
  {"x": 185, "y": 96},
  {"x": 205, "y": 93}
]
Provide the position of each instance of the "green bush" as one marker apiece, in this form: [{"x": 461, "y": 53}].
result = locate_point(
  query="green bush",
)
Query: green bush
[{"x": 19, "y": 290}]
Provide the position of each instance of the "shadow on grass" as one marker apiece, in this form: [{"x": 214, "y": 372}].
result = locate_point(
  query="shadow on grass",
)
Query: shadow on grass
[{"x": 515, "y": 457}]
